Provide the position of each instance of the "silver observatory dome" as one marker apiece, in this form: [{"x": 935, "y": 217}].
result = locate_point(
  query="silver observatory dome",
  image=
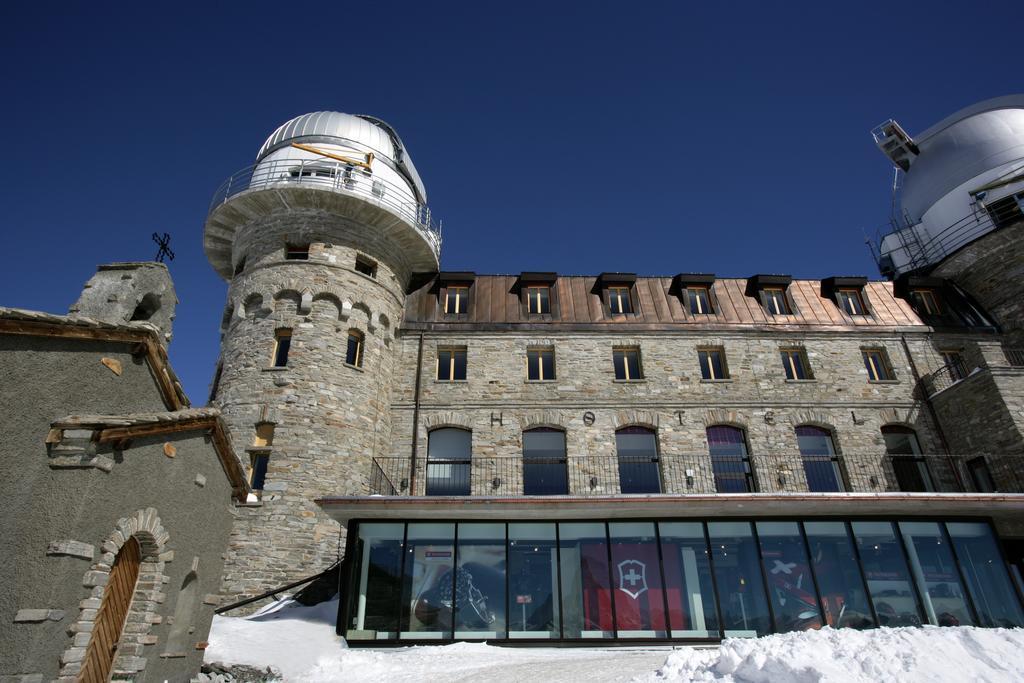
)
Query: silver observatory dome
[
  {"x": 335, "y": 126},
  {"x": 962, "y": 147}
]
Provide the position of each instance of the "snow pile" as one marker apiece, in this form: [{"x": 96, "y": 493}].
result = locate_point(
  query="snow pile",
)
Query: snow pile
[
  {"x": 285, "y": 635},
  {"x": 888, "y": 654},
  {"x": 300, "y": 642}
]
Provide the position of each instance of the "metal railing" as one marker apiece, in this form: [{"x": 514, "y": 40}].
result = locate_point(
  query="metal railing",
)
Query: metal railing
[
  {"x": 1014, "y": 356},
  {"x": 503, "y": 476},
  {"x": 338, "y": 177},
  {"x": 944, "y": 377},
  {"x": 938, "y": 246}
]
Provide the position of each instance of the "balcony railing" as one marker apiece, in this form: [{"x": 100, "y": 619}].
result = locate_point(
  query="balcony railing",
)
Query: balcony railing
[
  {"x": 944, "y": 377},
  {"x": 338, "y": 177},
  {"x": 1014, "y": 356},
  {"x": 700, "y": 474}
]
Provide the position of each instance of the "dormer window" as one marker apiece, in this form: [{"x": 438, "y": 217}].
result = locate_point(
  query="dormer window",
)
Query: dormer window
[
  {"x": 538, "y": 300},
  {"x": 850, "y": 301},
  {"x": 456, "y": 299},
  {"x": 699, "y": 299},
  {"x": 774, "y": 299},
  {"x": 770, "y": 290},
  {"x": 926, "y": 301},
  {"x": 617, "y": 292},
  {"x": 619, "y": 301},
  {"x": 847, "y": 293},
  {"x": 694, "y": 292},
  {"x": 453, "y": 291}
]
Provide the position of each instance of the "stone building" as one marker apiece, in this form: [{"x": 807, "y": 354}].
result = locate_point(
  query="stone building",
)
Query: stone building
[
  {"x": 546, "y": 457},
  {"x": 117, "y": 494}
]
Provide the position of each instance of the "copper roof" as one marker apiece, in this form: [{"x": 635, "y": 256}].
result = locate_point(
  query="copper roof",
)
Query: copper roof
[{"x": 494, "y": 302}]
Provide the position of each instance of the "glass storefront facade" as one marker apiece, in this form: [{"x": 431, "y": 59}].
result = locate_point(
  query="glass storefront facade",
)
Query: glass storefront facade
[{"x": 662, "y": 580}]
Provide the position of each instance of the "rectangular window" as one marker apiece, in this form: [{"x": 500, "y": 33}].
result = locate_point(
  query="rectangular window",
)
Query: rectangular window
[
  {"x": 700, "y": 300},
  {"x": 925, "y": 301},
  {"x": 712, "y": 364},
  {"x": 451, "y": 364},
  {"x": 618, "y": 300},
  {"x": 258, "y": 470},
  {"x": 775, "y": 301},
  {"x": 354, "y": 349},
  {"x": 282, "y": 344},
  {"x": 850, "y": 301},
  {"x": 366, "y": 267},
  {"x": 627, "y": 363},
  {"x": 533, "y": 596},
  {"x": 540, "y": 364},
  {"x": 954, "y": 360},
  {"x": 296, "y": 252},
  {"x": 877, "y": 365},
  {"x": 795, "y": 363},
  {"x": 538, "y": 300},
  {"x": 264, "y": 435},
  {"x": 456, "y": 300}
]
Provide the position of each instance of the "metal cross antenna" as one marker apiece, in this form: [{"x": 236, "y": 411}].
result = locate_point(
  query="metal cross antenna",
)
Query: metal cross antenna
[{"x": 165, "y": 250}]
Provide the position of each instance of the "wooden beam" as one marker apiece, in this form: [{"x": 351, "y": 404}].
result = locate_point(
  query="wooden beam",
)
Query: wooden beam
[{"x": 337, "y": 157}]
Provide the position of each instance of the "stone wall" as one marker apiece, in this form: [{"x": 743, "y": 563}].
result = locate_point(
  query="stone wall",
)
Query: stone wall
[
  {"x": 497, "y": 402},
  {"x": 991, "y": 270},
  {"x": 329, "y": 418}
]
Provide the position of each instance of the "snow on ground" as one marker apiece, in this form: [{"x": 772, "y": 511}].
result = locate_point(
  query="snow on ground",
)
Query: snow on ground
[
  {"x": 300, "y": 642},
  {"x": 908, "y": 655}
]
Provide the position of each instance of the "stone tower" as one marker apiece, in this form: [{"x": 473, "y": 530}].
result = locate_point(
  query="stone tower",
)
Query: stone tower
[{"x": 319, "y": 241}]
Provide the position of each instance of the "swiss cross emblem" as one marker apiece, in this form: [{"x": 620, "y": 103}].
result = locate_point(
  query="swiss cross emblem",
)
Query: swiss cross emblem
[{"x": 632, "y": 578}]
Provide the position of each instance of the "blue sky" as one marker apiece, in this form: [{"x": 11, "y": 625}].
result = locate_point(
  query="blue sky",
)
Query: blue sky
[{"x": 652, "y": 137}]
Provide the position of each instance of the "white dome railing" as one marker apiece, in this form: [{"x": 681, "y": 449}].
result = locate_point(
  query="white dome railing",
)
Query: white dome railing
[{"x": 333, "y": 176}]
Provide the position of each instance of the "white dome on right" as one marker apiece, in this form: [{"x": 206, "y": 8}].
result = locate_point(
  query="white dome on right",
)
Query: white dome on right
[{"x": 961, "y": 147}]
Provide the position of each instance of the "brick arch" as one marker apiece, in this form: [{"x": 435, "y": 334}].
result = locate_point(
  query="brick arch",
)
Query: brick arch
[
  {"x": 331, "y": 299},
  {"x": 636, "y": 418},
  {"x": 146, "y": 528},
  {"x": 362, "y": 307},
  {"x": 439, "y": 420},
  {"x": 723, "y": 417},
  {"x": 284, "y": 295},
  {"x": 906, "y": 417},
  {"x": 812, "y": 418},
  {"x": 545, "y": 418}
]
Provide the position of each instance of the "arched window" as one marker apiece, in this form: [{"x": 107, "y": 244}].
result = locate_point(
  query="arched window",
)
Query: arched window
[
  {"x": 354, "y": 352},
  {"x": 544, "y": 472},
  {"x": 448, "y": 461},
  {"x": 730, "y": 460},
  {"x": 821, "y": 464},
  {"x": 184, "y": 616},
  {"x": 910, "y": 467},
  {"x": 637, "y": 449}
]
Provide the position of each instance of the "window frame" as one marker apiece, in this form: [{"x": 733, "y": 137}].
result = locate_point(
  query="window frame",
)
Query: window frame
[
  {"x": 453, "y": 351},
  {"x": 744, "y": 459},
  {"x": 461, "y": 292},
  {"x": 625, "y": 350},
  {"x": 360, "y": 339},
  {"x": 529, "y": 299},
  {"x": 787, "y": 308},
  {"x": 258, "y": 456},
  {"x": 365, "y": 266},
  {"x": 559, "y": 464},
  {"x": 954, "y": 359},
  {"x": 925, "y": 301},
  {"x": 877, "y": 368},
  {"x": 458, "y": 464},
  {"x": 706, "y": 351},
  {"x": 279, "y": 358},
  {"x": 538, "y": 353},
  {"x": 624, "y": 294},
  {"x": 787, "y": 363},
  {"x": 296, "y": 251},
  {"x": 844, "y": 294},
  {"x": 707, "y": 300}
]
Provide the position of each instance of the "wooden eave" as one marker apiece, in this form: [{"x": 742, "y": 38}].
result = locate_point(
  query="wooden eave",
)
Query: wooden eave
[{"x": 147, "y": 341}]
